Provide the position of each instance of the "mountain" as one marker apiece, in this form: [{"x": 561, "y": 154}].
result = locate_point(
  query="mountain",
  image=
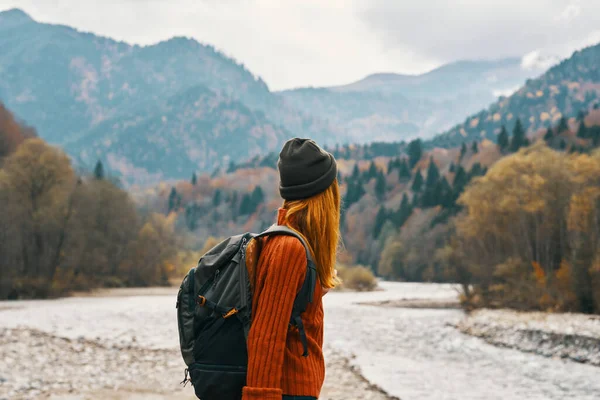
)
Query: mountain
[
  {"x": 389, "y": 106},
  {"x": 444, "y": 82},
  {"x": 109, "y": 100},
  {"x": 78, "y": 89},
  {"x": 565, "y": 90},
  {"x": 195, "y": 130}
]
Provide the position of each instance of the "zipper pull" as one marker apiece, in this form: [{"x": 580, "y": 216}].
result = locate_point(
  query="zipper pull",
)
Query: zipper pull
[{"x": 185, "y": 379}]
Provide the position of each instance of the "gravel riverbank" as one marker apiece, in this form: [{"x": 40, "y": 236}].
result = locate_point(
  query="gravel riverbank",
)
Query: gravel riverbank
[
  {"x": 38, "y": 365},
  {"x": 574, "y": 337},
  {"x": 123, "y": 346}
]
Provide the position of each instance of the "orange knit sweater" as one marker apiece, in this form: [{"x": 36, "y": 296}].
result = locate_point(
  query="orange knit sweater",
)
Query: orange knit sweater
[{"x": 275, "y": 362}]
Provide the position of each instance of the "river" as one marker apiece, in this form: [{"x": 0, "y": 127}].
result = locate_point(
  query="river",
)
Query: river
[{"x": 414, "y": 354}]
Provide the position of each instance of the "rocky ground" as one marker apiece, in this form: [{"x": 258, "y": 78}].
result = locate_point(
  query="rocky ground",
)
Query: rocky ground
[
  {"x": 38, "y": 365},
  {"x": 122, "y": 345},
  {"x": 569, "y": 336}
]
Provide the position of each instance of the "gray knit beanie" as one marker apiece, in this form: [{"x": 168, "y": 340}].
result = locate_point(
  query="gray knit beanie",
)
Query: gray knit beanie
[{"x": 305, "y": 169}]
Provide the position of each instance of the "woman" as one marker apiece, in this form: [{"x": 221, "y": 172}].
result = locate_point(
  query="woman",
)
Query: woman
[{"x": 276, "y": 368}]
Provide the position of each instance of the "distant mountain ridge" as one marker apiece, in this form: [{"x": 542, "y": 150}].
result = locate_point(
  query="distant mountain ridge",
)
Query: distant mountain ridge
[
  {"x": 388, "y": 106},
  {"x": 469, "y": 72},
  {"x": 78, "y": 89},
  {"x": 565, "y": 90},
  {"x": 109, "y": 100}
]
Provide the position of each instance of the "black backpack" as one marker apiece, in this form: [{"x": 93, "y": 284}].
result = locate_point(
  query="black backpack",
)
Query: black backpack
[{"x": 214, "y": 316}]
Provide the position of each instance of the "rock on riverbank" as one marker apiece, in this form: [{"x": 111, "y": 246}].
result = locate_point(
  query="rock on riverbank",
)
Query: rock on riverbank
[
  {"x": 38, "y": 365},
  {"x": 570, "y": 336}
]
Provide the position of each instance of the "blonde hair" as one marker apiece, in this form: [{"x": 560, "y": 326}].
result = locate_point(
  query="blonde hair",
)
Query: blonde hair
[{"x": 317, "y": 220}]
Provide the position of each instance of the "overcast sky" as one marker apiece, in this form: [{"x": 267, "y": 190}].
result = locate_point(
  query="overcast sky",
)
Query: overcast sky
[{"x": 292, "y": 43}]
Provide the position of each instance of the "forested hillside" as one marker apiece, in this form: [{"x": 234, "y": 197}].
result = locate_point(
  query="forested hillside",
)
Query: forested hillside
[
  {"x": 565, "y": 90},
  {"x": 197, "y": 130},
  {"x": 406, "y": 215}
]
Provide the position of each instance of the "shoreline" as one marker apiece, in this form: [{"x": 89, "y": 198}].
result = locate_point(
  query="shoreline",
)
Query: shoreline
[
  {"x": 443, "y": 304},
  {"x": 575, "y": 337}
]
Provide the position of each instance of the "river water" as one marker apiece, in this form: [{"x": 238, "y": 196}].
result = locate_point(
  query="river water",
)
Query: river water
[{"x": 415, "y": 354}]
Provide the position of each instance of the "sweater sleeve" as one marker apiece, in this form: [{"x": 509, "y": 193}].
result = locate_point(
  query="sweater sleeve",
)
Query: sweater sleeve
[{"x": 285, "y": 269}]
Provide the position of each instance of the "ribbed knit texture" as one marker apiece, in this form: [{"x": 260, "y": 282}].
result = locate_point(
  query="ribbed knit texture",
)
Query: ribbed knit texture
[{"x": 275, "y": 362}]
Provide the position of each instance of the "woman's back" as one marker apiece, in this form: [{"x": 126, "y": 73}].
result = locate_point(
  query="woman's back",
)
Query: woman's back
[
  {"x": 277, "y": 363},
  {"x": 277, "y": 275}
]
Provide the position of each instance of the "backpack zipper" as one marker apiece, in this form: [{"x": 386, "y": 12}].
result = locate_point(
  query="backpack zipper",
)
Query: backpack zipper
[{"x": 216, "y": 367}]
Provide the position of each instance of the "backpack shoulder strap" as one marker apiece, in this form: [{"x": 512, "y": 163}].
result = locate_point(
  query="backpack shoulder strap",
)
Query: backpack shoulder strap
[
  {"x": 284, "y": 230},
  {"x": 306, "y": 293}
]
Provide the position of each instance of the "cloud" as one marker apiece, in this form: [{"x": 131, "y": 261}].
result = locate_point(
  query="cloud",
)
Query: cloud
[
  {"x": 571, "y": 12},
  {"x": 535, "y": 60},
  {"x": 443, "y": 30}
]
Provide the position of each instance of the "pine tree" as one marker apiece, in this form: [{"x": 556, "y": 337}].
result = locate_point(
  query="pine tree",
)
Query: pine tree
[
  {"x": 399, "y": 217},
  {"x": 405, "y": 173},
  {"x": 174, "y": 200},
  {"x": 192, "y": 213},
  {"x": 429, "y": 197},
  {"x": 444, "y": 195},
  {"x": 99, "y": 171},
  {"x": 355, "y": 172},
  {"x": 258, "y": 197},
  {"x": 231, "y": 167},
  {"x": 562, "y": 126},
  {"x": 433, "y": 174},
  {"x": 503, "y": 140},
  {"x": 246, "y": 205},
  {"x": 463, "y": 151},
  {"x": 354, "y": 193},
  {"x": 417, "y": 182},
  {"x": 216, "y": 201},
  {"x": 549, "y": 135},
  {"x": 390, "y": 166},
  {"x": 379, "y": 221},
  {"x": 380, "y": 186},
  {"x": 572, "y": 149},
  {"x": 349, "y": 196},
  {"x": 194, "y": 179},
  {"x": 518, "y": 139},
  {"x": 416, "y": 200},
  {"x": 475, "y": 147},
  {"x": 460, "y": 182},
  {"x": 562, "y": 145},
  {"x": 476, "y": 170},
  {"x": 415, "y": 152},
  {"x": 234, "y": 203},
  {"x": 582, "y": 131},
  {"x": 372, "y": 173},
  {"x": 452, "y": 168}
]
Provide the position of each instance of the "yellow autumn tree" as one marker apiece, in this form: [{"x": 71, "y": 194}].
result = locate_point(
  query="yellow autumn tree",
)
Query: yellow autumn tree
[{"x": 530, "y": 225}]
